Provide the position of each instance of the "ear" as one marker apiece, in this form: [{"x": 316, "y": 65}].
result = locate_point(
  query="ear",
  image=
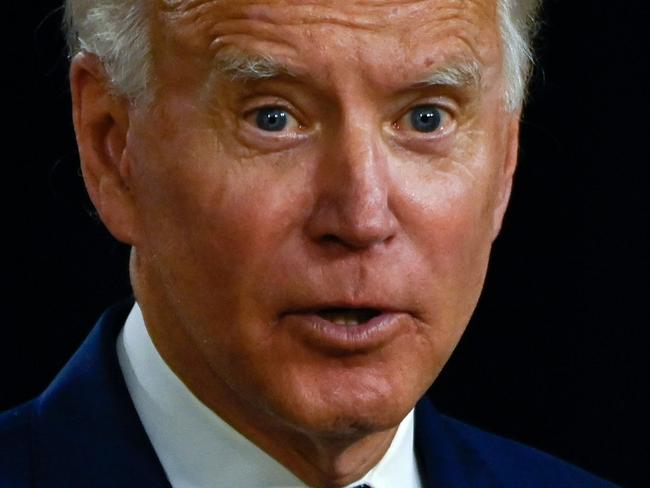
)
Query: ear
[
  {"x": 101, "y": 121},
  {"x": 507, "y": 171}
]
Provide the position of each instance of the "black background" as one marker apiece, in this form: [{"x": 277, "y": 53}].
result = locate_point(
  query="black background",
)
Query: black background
[{"x": 556, "y": 355}]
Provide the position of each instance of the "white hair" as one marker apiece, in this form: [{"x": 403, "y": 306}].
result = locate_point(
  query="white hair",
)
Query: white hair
[
  {"x": 518, "y": 24},
  {"x": 117, "y": 31}
]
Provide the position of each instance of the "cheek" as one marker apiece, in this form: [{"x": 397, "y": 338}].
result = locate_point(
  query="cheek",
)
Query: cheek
[
  {"x": 240, "y": 236},
  {"x": 188, "y": 181},
  {"x": 456, "y": 200},
  {"x": 451, "y": 213},
  {"x": 235, "y": 219},
  {"x": 447, "y": 223}
]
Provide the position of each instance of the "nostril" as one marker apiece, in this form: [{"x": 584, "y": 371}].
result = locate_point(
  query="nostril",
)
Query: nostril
[
  {"x": 330, "y": 238},
  {"x": 348, "y": 242}
]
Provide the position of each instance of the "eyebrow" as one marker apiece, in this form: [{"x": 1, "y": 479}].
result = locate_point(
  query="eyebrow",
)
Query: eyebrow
[
  {"x": 244, "y": 67},
  {"x": 461, "y": 74},
  {"x": 241, "y": 66}
]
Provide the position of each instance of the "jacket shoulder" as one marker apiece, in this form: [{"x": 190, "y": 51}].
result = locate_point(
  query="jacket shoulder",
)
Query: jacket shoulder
[
  {"x": 513, "y": 463},
  {"x": 16, "y": 446}
]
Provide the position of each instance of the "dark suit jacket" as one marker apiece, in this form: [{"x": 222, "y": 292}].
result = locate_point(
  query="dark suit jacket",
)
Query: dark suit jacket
[{"x": 83, "y": 431}]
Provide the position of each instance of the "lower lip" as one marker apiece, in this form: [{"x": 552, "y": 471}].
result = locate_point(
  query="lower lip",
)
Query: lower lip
[{"x": 323, "y": 334}]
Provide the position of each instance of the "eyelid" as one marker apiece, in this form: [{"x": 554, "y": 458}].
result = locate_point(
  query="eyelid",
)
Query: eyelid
[
  {"x": 264, "y": 141},
  {"x": 254, "y": 108},
  {"x": 256, "y": 103}
]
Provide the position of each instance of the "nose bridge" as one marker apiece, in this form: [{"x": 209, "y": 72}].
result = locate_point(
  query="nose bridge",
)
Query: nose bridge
[
  {"x": 364, "y": 173},
  {"x": 354, "y": 202}
]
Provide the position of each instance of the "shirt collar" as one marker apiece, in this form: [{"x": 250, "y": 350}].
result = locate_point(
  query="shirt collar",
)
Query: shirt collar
[{"x": 195, "y": 446}]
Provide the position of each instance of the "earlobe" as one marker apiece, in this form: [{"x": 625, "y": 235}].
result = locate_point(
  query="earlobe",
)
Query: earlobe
[
  {"x": 101, "y": 121},
  {"x": 507, "y": 173}
]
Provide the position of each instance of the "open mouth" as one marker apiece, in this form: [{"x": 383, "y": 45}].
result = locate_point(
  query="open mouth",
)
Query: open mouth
[
  {"x": 346, "y": 329},
  {"x": 348, "y": 316}
]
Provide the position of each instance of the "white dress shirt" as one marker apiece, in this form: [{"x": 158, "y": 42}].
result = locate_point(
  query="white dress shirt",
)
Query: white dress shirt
[{"x": 197, "y": 449}]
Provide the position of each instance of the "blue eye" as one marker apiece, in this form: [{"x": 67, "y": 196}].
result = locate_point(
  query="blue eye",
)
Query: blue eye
[
  {"x": 426, "y": 118},
  {"x": 272, "y": 119}
]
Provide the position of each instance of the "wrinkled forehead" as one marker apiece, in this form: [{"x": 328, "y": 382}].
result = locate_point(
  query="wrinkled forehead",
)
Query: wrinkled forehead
[{"x": 386, "y": 37}]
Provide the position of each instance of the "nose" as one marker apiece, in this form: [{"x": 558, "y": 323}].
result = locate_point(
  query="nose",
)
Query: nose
[{"x": 353, "y": 204}]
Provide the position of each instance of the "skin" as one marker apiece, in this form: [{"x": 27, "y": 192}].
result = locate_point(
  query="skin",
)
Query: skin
[{"x": 233, "y": 228}]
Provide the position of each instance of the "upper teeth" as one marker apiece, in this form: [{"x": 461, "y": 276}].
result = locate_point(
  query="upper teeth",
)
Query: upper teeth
[{"x": 342, "y": 317}]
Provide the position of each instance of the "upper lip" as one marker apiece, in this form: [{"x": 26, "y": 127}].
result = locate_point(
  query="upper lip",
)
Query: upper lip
[{"x": 316, "y": 308}]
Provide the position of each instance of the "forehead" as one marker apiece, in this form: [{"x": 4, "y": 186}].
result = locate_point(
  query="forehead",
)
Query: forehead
[{"x": 380, "y": 38}]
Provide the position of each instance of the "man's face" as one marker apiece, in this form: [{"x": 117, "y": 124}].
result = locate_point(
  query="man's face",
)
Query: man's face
[{"x": 321, "y": 234}]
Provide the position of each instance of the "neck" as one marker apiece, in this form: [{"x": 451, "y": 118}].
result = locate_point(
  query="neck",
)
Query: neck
[{"x": 326, "y": 460}]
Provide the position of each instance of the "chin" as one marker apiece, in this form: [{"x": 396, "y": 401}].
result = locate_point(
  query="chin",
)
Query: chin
[
  {"x": 347, "y": 423},
  {"x": 349, "y": 409}
]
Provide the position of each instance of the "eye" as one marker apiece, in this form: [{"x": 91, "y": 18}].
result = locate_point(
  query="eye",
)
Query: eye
[
  {"x": 272, "y": 119},
  {"x": 271, "y": 126},
  {"x": 427, "y": 127},
  {"x": 426, "y": 118}
]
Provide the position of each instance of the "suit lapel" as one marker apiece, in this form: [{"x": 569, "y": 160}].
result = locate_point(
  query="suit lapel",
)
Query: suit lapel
[
  {"x": 444, "y": 458},
  {"x": 86, "y": 430}
]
